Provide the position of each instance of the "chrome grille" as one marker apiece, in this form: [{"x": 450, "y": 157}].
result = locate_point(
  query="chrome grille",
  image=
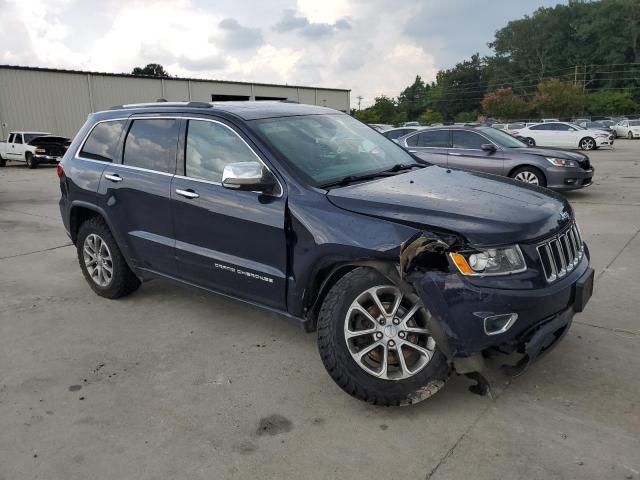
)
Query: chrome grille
[{"x": 560, "y": 254}]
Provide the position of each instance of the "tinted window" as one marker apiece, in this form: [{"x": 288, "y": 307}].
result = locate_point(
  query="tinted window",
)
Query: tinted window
[
  {"x": 397, "y": 133},
  {"x": 541, "y": 126},
  {"x": 468, "y": 140},
  {"x": 211, "y": 146},
  {"x": 10, "y": 138},
  {"x": 516, "y": 125},
  {"x": 152, "y": 144},
  {"x": 435, "y": 138},
  {"x": 561, "y": 127},
  {"x": 18, "y": 138},
  {"x": 102, "y": 143}
]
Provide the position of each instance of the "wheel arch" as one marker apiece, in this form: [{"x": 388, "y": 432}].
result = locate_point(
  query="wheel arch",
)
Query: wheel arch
[{"x": 526, "y": 165}]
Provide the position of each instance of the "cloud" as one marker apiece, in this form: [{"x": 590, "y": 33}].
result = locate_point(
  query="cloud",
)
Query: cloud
[
  {"x": 238, "y": 37},
  {"x": 292, "y": 21}
]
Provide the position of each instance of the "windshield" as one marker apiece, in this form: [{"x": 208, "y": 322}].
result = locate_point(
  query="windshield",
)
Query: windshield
[
  {"x": 502, "y": 138},
  {"x": 634, "y": 123},
  {"x": 327, "y": 148}
]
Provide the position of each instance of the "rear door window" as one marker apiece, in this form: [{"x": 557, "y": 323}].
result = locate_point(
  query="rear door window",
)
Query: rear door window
[
  {"x": 468, "y": 140},
  {"x": 103, "y": 141},
  {"x": 433, "y": 139},
  {"x": 152, "y": 144},
  {"x": 10, "y": 140}
]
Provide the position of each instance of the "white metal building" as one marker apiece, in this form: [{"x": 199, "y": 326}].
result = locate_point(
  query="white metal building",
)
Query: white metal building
[{"x": 58, "y": 101}]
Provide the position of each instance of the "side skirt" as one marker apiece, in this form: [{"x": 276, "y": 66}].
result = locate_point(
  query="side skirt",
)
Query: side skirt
[{"x": 300, "y": 322}]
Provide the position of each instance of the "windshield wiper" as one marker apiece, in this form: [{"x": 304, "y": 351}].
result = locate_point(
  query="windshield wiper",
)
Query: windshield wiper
[
  {"x": 403, "y": 166},
  {"x": 370, "y": 176}
]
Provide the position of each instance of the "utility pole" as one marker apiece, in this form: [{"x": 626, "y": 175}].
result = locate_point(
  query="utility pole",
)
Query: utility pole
[
  {"x": 575, "y": 76},
  {"x": 359, "y": 97}
]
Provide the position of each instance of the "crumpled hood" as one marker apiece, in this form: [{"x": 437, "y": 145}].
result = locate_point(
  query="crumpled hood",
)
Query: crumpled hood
[
  {"x": 486, "y": 209},
  {"x": 555, "y": 153}
]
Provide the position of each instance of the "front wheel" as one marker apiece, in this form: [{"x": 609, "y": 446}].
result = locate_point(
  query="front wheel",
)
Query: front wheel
[
  {"x": 530, "y": 175},
  {"x": 31, "y": 162},
  {"x": 630, "y": 135},
  {"x": 3, "y": 162},
  {"x": 375, "y": 341},
  {"x": 530, "y": 141},
  {"x": 587, "y": 143}
]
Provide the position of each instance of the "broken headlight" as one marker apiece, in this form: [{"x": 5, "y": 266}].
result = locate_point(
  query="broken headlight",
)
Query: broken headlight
[{"x": 492, "y": 261}]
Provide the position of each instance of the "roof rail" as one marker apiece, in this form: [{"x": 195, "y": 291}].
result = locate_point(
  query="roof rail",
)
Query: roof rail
[{"x": 163, "y": 103}]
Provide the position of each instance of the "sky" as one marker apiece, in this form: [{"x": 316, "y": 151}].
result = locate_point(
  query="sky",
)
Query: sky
[{"x": 371, "y": 47}]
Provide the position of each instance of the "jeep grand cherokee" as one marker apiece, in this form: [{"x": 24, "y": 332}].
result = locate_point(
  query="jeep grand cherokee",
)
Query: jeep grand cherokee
[{"x": 407, "y": 271}]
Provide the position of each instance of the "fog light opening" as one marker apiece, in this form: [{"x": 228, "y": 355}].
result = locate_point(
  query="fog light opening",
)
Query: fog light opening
[{"x": 497, "y": 324}]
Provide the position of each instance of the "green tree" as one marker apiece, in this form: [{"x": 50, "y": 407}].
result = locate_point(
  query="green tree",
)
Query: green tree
[
  {"x": 430, "y": 116},
  {"x": 558, "y": 99},
  {"x": 413, "y": 99},
  {"x": 460, "y": 88},
  {"x": 467, "y": 116},
  {"x": 367, "y": 116},
  {"x": 611, "y": 103},
  {"x": 504, "y": 104},
  {"x": 151, "y": 70}
]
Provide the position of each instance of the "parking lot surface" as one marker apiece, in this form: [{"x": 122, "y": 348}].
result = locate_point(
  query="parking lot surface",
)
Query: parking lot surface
[{"x": 176, "y": 383}]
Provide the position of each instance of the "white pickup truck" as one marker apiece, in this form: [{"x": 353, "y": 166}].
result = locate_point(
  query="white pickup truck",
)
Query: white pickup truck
[{"x": 33, "y": 148}]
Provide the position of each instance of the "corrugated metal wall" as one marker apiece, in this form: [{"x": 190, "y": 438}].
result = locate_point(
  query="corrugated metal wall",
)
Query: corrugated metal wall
[{"x": 59, "y": 102}]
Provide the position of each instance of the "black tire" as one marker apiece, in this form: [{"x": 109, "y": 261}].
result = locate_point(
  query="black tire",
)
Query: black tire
[
  {"x": 3, "y": 162},
  {"x": 31, "y": 162},
  {"x": 530, "y": 141},
  {"x": 523, "y": 171},
  {"x": 630, "y": 135},
  {"x": 350, "y": 376},
  {"x": 587, "y": 143},
  {"x": 123, "y": 281}
]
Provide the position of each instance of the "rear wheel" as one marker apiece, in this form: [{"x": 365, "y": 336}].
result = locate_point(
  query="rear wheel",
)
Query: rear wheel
[
  {"x": 530, "y": 175},
  {"x": 101, "y": 261},
  {"x": 31, "y": 162},
  {"x": 530, "y": 141},
  {"x": 376, "y": 344},
  {"x": 587, "y": 143}
]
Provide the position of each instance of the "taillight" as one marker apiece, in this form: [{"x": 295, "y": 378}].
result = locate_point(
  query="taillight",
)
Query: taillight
[{"x": 60, "y": 170}]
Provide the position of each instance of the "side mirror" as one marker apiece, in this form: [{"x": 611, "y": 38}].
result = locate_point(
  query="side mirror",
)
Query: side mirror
[
  {"x": 488, "y": 147},
  {"x": 251, "y": 176}
]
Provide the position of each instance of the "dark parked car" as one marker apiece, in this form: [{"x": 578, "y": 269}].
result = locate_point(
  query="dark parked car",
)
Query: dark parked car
[
  {"x": 406, "y": 270},
  {"x": 489, "y": 150},
  {"x": 395, "y": 133}
]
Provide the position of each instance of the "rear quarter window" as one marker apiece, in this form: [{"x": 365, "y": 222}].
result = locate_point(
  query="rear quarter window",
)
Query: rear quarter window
[{"x": 103, "y": 141}]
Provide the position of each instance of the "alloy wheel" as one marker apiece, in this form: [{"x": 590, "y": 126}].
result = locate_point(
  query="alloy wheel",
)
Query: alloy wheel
[
  {"x": 386, "y": 333},
  {"x": 528, "y": 177},
  {"x": 97, "y": 260},
  {"x": 587, "y": 144}
]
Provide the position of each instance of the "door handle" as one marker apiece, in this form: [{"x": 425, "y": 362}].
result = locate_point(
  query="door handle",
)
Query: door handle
[
  {"x": 114, "y": 177},
  {"x": 187, "y": 193}
]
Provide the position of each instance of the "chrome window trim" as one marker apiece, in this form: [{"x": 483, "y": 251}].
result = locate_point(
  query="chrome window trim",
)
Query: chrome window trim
[
  {"x": 174, "y": 117},
  {"x": 280, "y": 194},
  {"x": 86, "y": 137}
]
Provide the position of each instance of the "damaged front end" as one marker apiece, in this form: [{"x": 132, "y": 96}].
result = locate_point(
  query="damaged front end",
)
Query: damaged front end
[{"x": 475, "y": 316}]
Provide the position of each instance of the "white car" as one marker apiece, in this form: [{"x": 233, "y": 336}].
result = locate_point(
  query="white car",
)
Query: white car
[
  {"x": 566, "y": 135},
  {"x": 509, "y": 127},
  {"x": 628, "y": 129}
]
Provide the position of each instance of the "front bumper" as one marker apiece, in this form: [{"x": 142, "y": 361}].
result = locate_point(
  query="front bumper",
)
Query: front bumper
[
  {"x": 571, "y": 178},
  {"x": 544, "y": 314},
  {"x": 46, "y": 158}
]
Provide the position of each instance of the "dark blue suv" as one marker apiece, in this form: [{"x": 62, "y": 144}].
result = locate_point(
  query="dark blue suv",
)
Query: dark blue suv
[{"x": 406, "y": 270}]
